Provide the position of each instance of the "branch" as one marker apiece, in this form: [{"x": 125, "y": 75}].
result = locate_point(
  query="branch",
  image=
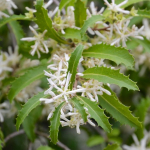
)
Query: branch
[
  {"x": 30, "y": 146},
  {"x": 58, "y": 143},
  {"x": 13, "y": 135}
]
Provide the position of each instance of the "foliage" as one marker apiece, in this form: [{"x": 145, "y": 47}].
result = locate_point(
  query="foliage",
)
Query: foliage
[{"x": 84, "y": 52}]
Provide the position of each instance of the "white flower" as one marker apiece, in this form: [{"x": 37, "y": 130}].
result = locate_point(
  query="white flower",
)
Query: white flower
[
  {"x": 94, "y": 10},
  {"x": 92, "y": 88},
  {"x": 4, "y": 60},
  {"x": 32, "y": 11},
  {"x": 8, "y": 61},
  {"x": 139, "y": 145},
  {"x": 92, "y": 62},
  {"x": 59, "y": 66},
  {"x": 146, "y": 31},
  {"x": 4, "y": 109},
  {"x": 63, "y": 22},
  {"x": 14, "y": 57},
  {"x": 64, "y": 93},
  {"x": 29, "y": 63},
  {"x": 123, "y": 32},
  {"x": 6, "y": 5},
  {"x": 39, "y": 42},
  {"x": 116, "y": 8},
  {"x": 75, "y": 119}
]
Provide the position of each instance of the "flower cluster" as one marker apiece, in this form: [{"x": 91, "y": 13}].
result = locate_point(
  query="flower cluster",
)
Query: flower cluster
[
  {"x": 59, "y": 91},
  {"x": 75, "y": 92},
  {"x": 115, "y": 32},
  {"x": 6, "y": 5},
  {"x": 8, "y": 61}
]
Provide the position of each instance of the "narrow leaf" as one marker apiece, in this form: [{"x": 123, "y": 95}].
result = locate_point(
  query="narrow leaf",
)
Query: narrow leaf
[
  {"x": 80, "y": 108},
  {"x": 88, "y": 23},
  {"x": 25, "y": 80},
  {"x": 119, "y": 111},
  {"x": 80, "y": 13},
  {"x": 145, "y": 43},
  {"x": 141, "y": 111},
  {"x": 95, "y": 140},
  {"x": 71, "y": 33},
  {"x": 73, "y": 63},
  {"x": 144, "y": 13},
  {"x": 28, "y": 107},
  {"x": 113, "y": 147},
  {"x": 17, "y": 30},
  {"x": 108, "y": 75},
  {"x": 96, "y": 113},
  {"x": 12, "y": 18},
  {"x": 116, "y": 54},
  {"x": 63, "y": 3},
  {"x": 71, "y": 3},
  {"x": 46, "y": 23},
  {"x": 55, "y": 123}
]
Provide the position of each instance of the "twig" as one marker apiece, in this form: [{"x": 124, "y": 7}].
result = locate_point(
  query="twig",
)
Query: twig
[
  {"x": 13, "y": 135},
  {"x": 58, "y": 143},
  {"x": 105, "y": 29},
  {"x": 30, "y": 146}
]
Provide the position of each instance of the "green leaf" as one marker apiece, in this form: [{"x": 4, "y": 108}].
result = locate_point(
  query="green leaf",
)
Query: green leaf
[
  {"x": 17, "y": 30},
  {"x": 145, "y": 43},
  {"x": 29, "y": 122},
  {"x": 116, "y": 54},
  {"x": 95, "y": 140},
  {"x": 12, "y": 18},
  {"x": 63, "y": 3},
  {"x": 141, "y": 111},
  {"x": 28, "y": 107},
  {"x": 108, "y": 75},
  {"x": 55, "y": 123},
  {"x": 96, "y": 112},
  {"x": 80, "y": 108},
  {"x": 23, "y": 81},
  {"x": 71, "y": 3},
  {"x": 80, "y": 13},
  {"x": 113, "y": 147},
  {"x": 118, "y": 111},
  {"x": 88, "y": 23},
  {"x": 71, "y": 33},
  {"x": 130, "y": 2},
  {"x": 73, "y": 63},
  {"x": 144, "y": 13},
  {"x": 46, "y": 23},
  {"x": 45, "y": 148},
  {"x": 135, "y": 20},
  {"x": 85, "y": 2}
]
